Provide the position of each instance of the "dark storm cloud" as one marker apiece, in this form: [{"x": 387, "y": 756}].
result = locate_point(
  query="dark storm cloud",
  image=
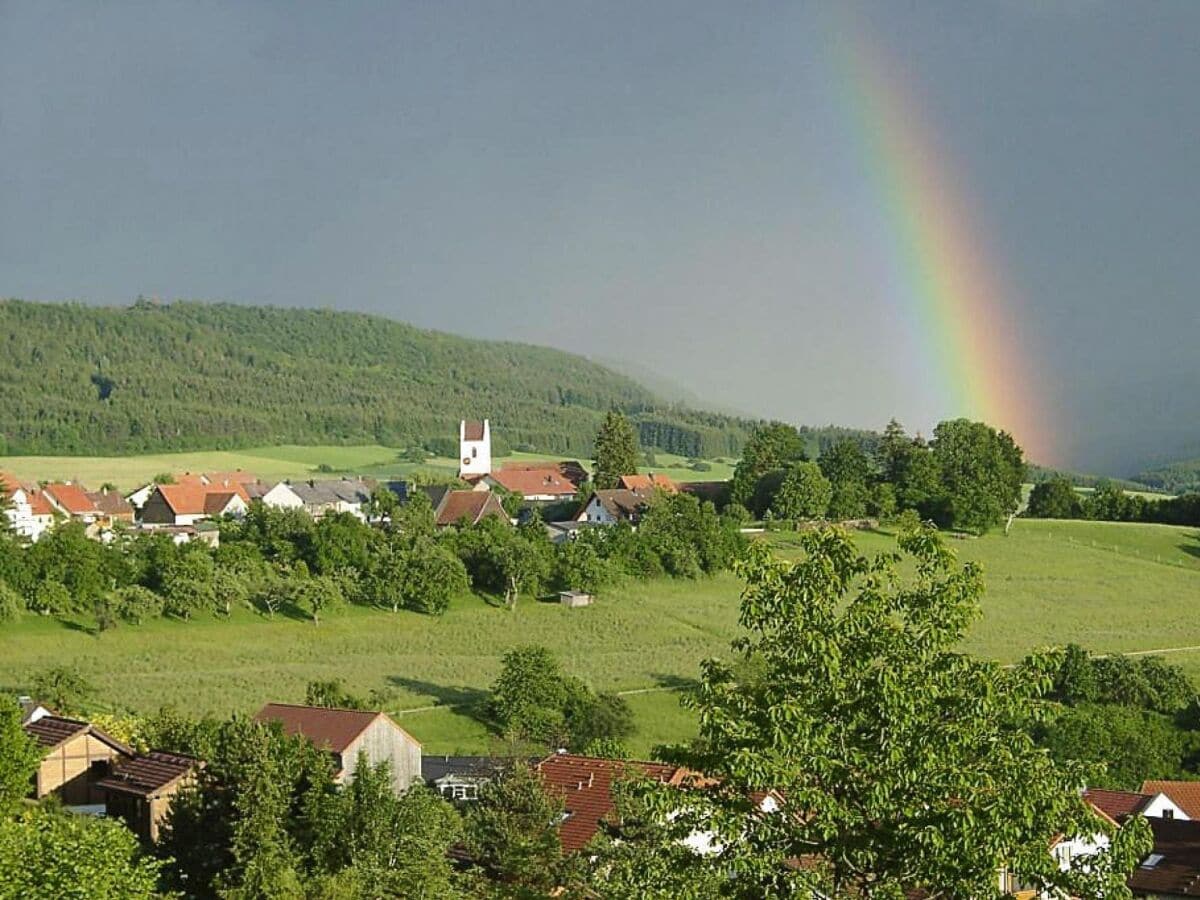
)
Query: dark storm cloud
[{"x": 671, "y": 183}]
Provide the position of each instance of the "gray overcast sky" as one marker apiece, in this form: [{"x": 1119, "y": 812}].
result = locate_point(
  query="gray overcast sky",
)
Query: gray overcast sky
[{"x": 675, "y": 184}]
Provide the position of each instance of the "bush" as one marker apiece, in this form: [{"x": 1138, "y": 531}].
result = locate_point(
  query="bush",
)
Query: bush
[
  {"x": 11, "y": 604},
  {"x": 136, "y": 604},
  {"x": 51, "y": 598}
]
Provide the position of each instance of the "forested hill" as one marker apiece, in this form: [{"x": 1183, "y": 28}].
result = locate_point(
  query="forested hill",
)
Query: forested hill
[{"x": 78, "y": 379}]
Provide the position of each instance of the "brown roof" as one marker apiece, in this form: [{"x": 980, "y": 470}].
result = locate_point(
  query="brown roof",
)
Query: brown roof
[
  {"x": 585, "y": 785},
  {"x": 230, "y": 478},
  {"x": 648, "y": 483},
  {"x": 1173, "y": 867},
  {"x": 71, "y": 497},
  {"x": 713, "y": 491},
  {"x": 216, "y": 501},
  {"x": 1184, "y": 794},
  {"x": 50, "y": 731},
  {"x": 148, "y": 774},
  {"x": 533, "y": 480},
  {"x": 328, "y": 727},
  {"x": 111, "y": 503},
  {"x": 472, "y": 430},
  {"x": 620, "y": 503},
  {"x": 470, "y": 505},
  {"x": 1116, "y": 804}
]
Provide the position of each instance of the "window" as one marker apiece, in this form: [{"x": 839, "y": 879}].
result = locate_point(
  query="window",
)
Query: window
[
  {"x": 460, "y": 791},
  {"x": 1168, "y": 813},
  {"x": 474, "y": 452}
]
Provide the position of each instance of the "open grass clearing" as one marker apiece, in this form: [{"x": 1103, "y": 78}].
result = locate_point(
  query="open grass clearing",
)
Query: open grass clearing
[{"x": 1136, "y": 588}]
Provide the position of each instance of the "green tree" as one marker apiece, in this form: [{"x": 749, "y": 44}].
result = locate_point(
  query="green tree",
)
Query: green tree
[
  {"x": 136, "y": 604},
  {"x": 1054, "y": 499},
  {"x": 511, "y": 833},
  {"x": 432, "y": 577},
  {"x": 616, "y": 452},
  {"x": 1124, "y": 746},
  {"x": 317, "y": 595},
  {"x": 804, "y": 493},
  {"x": 771, "y": 446},
  {"x": 331, "y": 694},
  {"x": 11, "y": 604},
  {"x": 981, "y": 471},
  {"x": 416, "y": 518},
  {"x": 63, "y": 689},
  {"x": 383, "y": 504},
  {"x": 909, "y": 760},
  {"x": 46, "y": 854},
  {"x": 849, "y": 472},
  {"x": 19, "y": 755}
]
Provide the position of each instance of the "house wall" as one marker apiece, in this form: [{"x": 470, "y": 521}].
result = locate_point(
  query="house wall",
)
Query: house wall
[
  {"x": 156, "y": 511},
  {"x": 475, "y": 457},
  {"x": 282, "y": 497},
  {"x": 72, "y": 769},
  {"x": 1162, "y": 804},
  {"x": 595, "y": 512},
  {"x": 386, "y": 741}
]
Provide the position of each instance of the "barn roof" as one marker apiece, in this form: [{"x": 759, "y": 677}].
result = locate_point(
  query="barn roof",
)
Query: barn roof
[
  {"x": 148, "y": 774},
  {"x": 329, "y": 727}
]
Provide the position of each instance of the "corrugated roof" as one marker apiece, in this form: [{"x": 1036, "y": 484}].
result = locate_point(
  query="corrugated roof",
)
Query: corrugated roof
[
  {"x": 1184, "y": 794},
  {"x": 585, "y": 785},
  {"x": 145, "y": 775}
]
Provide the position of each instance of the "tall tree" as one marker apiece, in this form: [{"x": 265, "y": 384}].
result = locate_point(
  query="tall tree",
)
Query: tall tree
[
  {"x": 981, "y": 470},
  {"x": 19, "y": 755},
  {"x": 804, "y": 493},
  {"x": 1054, "y": 499},
  {"x": 901, "y": 764},
  {"x": 616, "y": 451},
  {"x": 770, "y": 446},
  {"x": 849, "y": 471},
  {"x": 511, "y": 833}
]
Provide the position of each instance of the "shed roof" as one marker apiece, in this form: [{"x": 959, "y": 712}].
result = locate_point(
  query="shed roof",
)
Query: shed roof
[
  {"x": 52, "y": 731},
  {"x": 148, "y": 774}
]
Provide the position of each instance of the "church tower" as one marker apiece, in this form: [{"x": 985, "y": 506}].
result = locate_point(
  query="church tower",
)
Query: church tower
[{"x": 474, "y": 448}]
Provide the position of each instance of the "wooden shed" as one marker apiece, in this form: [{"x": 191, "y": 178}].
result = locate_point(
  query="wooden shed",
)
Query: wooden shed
[
  {"x": 139, "y": 790},
  {"x": 345, "y": 732},
  {"x": 75, "y": 757}
]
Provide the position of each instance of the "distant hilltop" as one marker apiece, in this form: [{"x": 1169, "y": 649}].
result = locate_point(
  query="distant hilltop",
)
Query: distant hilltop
[{"x": 90, "y": 380}]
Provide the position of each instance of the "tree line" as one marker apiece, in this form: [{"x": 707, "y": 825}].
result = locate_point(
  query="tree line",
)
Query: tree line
[
  {"x": 1108, "y": 502},
  {"x": 967, "y": 477},
  {"x": 274, "y": 560}
]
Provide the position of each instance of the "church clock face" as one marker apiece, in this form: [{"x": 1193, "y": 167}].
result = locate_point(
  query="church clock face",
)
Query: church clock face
[{"x": 466, "y": 460}]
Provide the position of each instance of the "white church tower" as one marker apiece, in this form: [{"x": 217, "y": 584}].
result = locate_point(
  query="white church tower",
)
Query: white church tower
[{"x": 474, "y": 448}]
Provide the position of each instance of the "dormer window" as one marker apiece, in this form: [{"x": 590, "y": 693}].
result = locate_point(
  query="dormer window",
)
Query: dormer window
[{"x": 1168, "y": 813}]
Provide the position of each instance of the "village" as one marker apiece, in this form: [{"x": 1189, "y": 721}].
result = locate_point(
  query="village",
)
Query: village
[{"x": 187, "y": 506}]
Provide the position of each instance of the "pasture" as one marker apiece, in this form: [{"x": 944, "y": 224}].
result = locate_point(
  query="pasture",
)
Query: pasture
[
  {"x": 1109, "y": 587},
  {"x": 276, "y": 463}
]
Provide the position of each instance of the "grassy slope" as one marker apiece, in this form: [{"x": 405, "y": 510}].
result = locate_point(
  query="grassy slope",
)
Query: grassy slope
[
  {"x": 1137, "y": 588},
  {"x": 271, "y": 463}
]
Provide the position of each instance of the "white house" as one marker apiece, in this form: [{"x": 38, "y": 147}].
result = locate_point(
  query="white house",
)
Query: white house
[
  {"x": 29, "y": 513},
  {"x": 609, "y": 507},
  {"x": 474, "y": 448},
  {"x": 281, "y": 496}
]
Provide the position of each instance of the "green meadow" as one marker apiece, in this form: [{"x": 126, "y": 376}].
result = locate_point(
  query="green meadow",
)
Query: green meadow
[
  {"x": 1109, "y": 587},
  {"x": 276, "y": 463}
]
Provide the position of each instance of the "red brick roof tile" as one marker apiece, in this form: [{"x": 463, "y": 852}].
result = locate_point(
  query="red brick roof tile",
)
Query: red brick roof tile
[{"x": 1184, "y": 794}]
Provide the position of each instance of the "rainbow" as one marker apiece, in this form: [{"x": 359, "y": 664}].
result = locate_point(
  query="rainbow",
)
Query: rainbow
[{"x": 962, "y": 312}]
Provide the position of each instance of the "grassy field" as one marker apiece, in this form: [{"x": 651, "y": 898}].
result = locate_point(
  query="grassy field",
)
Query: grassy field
[
  {"x": 274, "y": 463},
  {"x": 1112, "y": 588}
]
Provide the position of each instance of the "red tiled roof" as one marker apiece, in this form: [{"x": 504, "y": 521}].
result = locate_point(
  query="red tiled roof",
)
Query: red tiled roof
[
  {"x": 184, "y": 499},
  {"x": 1184, "y": 794},
  {"x": 1116, "y": 804},
  {"x": 50, "y": 731},
  {"x": 230, "y": 478},
  {"x": 647, "y": 483},
  {"x": 585, "y": 785},
  {"x": 470, "y": 505},
  {"x": 1173, "y": 867},
  {"x": 335, "y": 729},
  {"x": 472, "y": 430},
  {"x": 10, "y": 484},
  {"x": 146, "y": 775},
  {"x": 39, "y": 505},
  {"x": 71, "y": 497},
  {"x": 530, "y": 481}
]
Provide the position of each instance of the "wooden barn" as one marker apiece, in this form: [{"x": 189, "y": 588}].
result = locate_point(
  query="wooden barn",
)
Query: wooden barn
[
  {"x": 139, "y": 790},
  {"x": 346, "y": 732},
  {"x": 75, "y": 757}
]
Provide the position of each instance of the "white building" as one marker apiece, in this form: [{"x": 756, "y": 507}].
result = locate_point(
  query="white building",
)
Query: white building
[
  {"x": 474, "y": 448},
  {"x": 29, "y": 512}
]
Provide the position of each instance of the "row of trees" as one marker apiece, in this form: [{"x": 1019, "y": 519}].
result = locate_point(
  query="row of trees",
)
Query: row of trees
[
  {"x": 1057, "y": 498},
  {"x": 968, "y": 477},
  {"x": 282, "y": 561}
]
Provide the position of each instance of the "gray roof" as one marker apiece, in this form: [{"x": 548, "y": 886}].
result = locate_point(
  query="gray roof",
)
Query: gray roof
[{"x": 321, "y": 493}]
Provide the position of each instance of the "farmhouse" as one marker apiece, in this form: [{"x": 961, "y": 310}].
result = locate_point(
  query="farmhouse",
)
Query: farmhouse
[
  {"x": 344, "y": 733},
  {"x": 231, "y": 480},
  {"x": 72, "y": 500},
  {"x": 609, "y": 507},
  {"x": 29, "y": 512},
  {"x": 139, "y": 790},
  {"x": 187, "y": 504},
  {"x": 75, "y": 757}
]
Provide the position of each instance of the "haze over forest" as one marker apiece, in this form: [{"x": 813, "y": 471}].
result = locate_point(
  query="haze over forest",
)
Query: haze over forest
[{"x": 686, "y": 187}]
